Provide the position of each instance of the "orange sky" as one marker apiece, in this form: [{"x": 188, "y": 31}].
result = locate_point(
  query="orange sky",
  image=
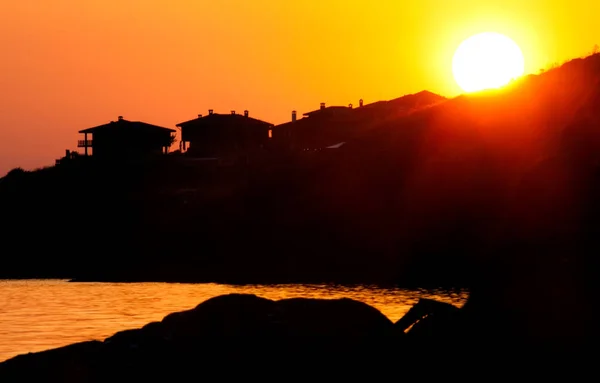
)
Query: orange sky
[{"x": 70, "y": 64}]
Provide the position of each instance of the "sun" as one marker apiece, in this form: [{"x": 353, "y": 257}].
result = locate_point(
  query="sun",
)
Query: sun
[{"x": 487, "y": 60}]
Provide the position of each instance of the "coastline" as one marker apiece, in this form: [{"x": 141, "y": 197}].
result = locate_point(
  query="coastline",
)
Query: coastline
[
  {"x": 77, "y": 312},
  {"x": 244, "y": 330}
]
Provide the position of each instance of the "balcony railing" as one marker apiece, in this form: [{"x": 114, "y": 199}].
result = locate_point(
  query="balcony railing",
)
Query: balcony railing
[{"x": 84, "y": 143}]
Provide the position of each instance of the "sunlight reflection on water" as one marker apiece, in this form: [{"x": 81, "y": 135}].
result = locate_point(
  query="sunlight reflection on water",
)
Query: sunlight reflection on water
[{"x": 36, "y": 315}]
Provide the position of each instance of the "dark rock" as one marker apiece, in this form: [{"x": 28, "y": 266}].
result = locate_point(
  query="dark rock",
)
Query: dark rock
[
  {"x": 132, "y": 339},
  {"x": 74, "y": 363},
  {"x": 433, "y": 326},
  {"x": 226, "y": 315},
  {"x": 428, "y": 318},
  {"x": 330, "y": 317},
  {"x": 228, "y": 335},
  {"x": 237, "y": 315}
]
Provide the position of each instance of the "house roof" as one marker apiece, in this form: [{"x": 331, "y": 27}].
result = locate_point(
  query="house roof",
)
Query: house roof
[
  {"x": 316, "y": 124},
  {"x": 290, "y": 123},
  {"x": 125, "y": 124},
  {"x": 223, "y": 118},
  {"x": 378, "y": 109},
  {"x": 328, "y": 109}
]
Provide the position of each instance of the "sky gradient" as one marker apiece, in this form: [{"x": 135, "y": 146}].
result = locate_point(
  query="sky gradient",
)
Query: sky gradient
[{"x": 71, "y": 64}]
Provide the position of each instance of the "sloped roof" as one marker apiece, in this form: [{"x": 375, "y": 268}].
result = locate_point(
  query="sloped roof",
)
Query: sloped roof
[
  {"x": 288, "y": 124},
  {"x": 125, "y": 124},
  {"x": 368, "y": 113},
  {"x": 328, "y": 109},
  {"x": 223, "y": 118}
]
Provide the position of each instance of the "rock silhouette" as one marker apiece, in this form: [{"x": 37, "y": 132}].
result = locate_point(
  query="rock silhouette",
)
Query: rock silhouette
[
  {"x": 228, "y": 331},
  {"x": 245, "y": 336}
]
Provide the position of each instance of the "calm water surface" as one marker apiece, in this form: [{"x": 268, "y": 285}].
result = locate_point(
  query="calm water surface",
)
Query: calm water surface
[{"x": 36, "y": 315}]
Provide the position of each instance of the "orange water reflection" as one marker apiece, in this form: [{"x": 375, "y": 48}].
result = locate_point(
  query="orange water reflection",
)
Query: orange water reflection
[{"x": 37, "y": 315}]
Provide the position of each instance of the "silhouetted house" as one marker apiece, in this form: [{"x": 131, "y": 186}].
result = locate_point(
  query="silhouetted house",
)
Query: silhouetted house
[
  {"x": 218, "y": 135},
  {"x": 123, "y": 138},
  {"x": 317, "y": 129},
  {"x": 330, "y": 112},
  {"x": 330, "y": 127}
]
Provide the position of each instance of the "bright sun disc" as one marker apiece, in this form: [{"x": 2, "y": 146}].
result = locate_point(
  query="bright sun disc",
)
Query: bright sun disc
[{"x": 487, "y": 61}]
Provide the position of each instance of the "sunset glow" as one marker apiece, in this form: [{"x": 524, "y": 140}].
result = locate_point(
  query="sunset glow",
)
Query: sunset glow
[
  {"x": 487, "y": 61},
  {"x": 183, "y": 180},
  {"x": 70, "y": 64}
]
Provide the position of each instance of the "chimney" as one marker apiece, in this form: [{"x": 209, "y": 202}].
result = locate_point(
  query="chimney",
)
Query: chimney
[
  {"x": 246, "y": 113},
  {"x": 360, "y": 102},
  {"x": 322, "y": 105},
  {"x": 210, "y": 111},
  {"x": 199, "y": 116},
  {"x": 293, "y": 115},
  {"x": 350, "y": 106},
  {"x": 120, "y": 118},
  {"x": 233, "y": 112}
]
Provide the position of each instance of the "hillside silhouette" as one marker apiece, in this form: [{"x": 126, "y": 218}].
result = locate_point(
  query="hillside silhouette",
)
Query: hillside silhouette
[{"x": 496, "y": 188}]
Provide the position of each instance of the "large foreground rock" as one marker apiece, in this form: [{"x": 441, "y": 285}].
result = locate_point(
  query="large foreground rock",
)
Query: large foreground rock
[{"x": 228, "y": 335}]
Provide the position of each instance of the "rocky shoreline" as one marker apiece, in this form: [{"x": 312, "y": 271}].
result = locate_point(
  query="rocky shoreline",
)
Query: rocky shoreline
[
  {"x": 245, "y": 335},
  {"x": 237, "y": 329}
]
